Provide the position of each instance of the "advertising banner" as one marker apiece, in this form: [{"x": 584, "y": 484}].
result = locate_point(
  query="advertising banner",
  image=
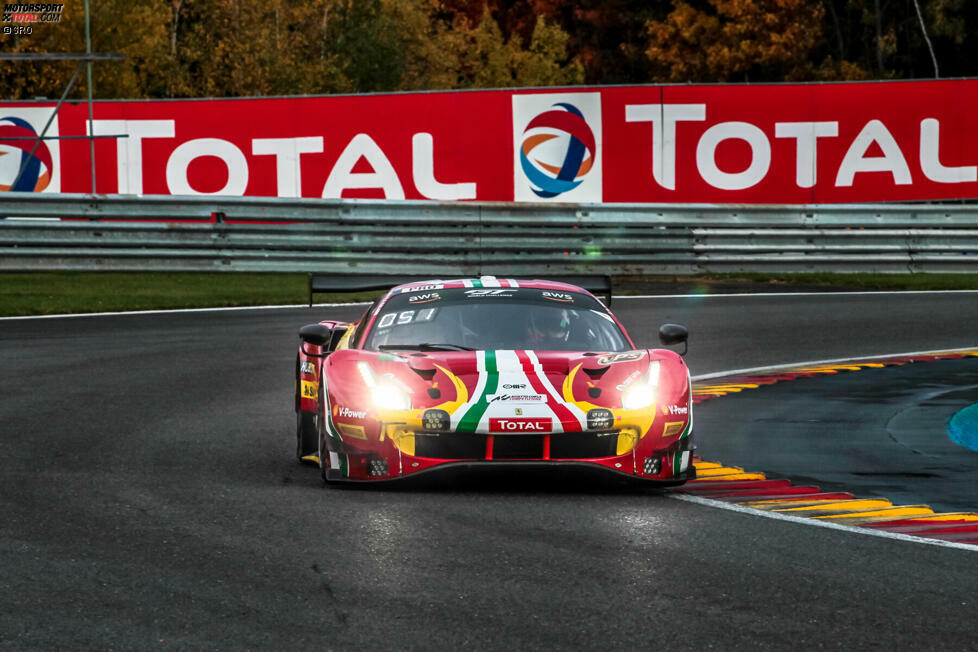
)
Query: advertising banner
[{"x": 733, "y": 144}]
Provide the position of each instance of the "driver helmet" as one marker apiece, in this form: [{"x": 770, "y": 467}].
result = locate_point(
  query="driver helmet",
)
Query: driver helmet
[{"x": 549, "y": 325}]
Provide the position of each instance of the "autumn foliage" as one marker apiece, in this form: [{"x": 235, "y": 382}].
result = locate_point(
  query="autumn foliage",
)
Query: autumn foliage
[{"x": 199, "y": 48}]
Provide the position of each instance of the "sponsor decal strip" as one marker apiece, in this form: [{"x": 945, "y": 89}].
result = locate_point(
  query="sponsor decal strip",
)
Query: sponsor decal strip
[
  {"x": 732, "y": 487},
  {"x": 540, "y": 383},
  {"x": 489, "y": 379}
]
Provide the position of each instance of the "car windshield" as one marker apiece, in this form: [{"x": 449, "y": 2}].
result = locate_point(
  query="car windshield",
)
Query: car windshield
[{"x": 432, "y": 318}]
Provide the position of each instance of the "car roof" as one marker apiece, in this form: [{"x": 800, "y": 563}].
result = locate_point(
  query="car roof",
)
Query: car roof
[{"x": 489, "y": 282}]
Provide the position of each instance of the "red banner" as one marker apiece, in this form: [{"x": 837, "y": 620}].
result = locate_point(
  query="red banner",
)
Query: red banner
[{"x": 791, "y": 144}]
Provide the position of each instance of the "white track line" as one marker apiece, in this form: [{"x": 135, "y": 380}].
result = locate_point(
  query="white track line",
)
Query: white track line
[
  {"x": 811, "y": 363},
  {"x": 179, "y": 310},
  {"x": 364, "y": 303},
  {"x": 719, "y": 504},
  {"x": 789, "y": 294},
  {"x": 821, "y": 523}
]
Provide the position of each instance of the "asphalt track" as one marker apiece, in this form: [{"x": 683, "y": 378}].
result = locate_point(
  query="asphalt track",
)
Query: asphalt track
[{"x": 149, "y": 499}]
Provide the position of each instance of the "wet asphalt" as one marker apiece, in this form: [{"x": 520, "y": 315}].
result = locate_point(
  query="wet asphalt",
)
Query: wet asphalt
[{"x": 149, "y": 499}]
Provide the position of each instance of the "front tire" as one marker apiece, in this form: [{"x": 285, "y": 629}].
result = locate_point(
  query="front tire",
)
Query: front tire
[{"x": 306, "y": 430}]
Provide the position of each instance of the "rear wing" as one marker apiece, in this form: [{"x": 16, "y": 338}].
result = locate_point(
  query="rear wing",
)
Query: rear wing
[{"x": 598, "y": 285}]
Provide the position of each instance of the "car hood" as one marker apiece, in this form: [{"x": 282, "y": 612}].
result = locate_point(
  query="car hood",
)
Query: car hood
[{"x": 478, "y": 388}]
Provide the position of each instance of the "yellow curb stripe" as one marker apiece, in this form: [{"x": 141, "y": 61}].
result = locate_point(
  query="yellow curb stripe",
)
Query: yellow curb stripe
[
  {"x": 842, "y": 505},
  {"x": 889, "y": 512},
  {"x": 723, "y": 470},
  {"x": 733, "y": 476},
  {"x": 767, "y": 503},
  {"x": 733, "y": 387},
  {"x": 814, "y": 370}
]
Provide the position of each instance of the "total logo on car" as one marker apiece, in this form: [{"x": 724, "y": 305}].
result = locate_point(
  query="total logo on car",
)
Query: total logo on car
[{"x": 519, "y": 424}]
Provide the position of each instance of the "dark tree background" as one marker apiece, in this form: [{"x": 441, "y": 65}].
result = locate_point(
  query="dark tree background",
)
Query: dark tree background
[{"x": 195, "y": 48}]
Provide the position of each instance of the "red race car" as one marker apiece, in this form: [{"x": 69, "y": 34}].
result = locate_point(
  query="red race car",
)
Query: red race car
[{"x": 489, "y": 372}]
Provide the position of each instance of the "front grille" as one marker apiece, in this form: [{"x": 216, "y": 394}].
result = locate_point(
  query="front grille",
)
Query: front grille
[
  {"x": 469, "y": 446},
  {"x": 583, "y": 445},
  {"x": 517, "y": 447},
  {"x": 450, "y": 446}
]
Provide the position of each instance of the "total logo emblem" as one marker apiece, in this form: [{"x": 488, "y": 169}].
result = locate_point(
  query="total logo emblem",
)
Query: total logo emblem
[
  {"x": 517, "y": 424},
  {"x": 551, "y": 176},
  {"x": 16, "y": 143},
  {"x": 557, "y": 147}
]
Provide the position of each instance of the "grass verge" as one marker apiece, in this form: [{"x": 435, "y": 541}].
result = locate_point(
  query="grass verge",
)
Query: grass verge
[
  {"x": 859, "y": 281},
  {"x": 48, "y": 293},
  {"x": 45, "y": 293}
]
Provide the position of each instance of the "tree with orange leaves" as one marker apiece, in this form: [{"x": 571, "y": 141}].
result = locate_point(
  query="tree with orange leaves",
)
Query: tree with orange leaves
[{"x": 736, "y": 40}]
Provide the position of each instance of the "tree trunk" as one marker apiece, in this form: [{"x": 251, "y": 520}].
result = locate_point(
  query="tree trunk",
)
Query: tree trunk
[
  {"x": 879, "y": 38},
  {"x": 838, "y": 30},
  {"x": 930, "y": 47},
  {"x": 174, "y": 24}
]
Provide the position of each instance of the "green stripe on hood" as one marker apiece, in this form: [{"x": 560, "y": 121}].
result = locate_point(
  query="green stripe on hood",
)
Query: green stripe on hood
[{"x": 470, "y": 421}]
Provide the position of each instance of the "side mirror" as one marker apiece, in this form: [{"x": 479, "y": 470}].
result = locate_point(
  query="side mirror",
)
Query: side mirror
[
  {"x": 317, "y": 334},
  {"x": 670, "y": 334},
  {"x": 322, "y": 336}
]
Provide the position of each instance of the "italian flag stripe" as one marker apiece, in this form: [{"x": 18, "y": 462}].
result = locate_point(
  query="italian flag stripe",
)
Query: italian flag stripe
[
  {"x": 470, "y": 421},
  {"x": 333, "y": 432}
]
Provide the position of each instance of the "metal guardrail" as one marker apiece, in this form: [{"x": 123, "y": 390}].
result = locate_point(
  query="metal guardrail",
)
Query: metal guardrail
[{"x": 171, "y": 233}]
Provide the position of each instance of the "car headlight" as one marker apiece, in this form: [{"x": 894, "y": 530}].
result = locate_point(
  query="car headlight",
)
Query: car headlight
[
  {"x": 388, "y": 397},
  {"x": 638, "y": 396},
  {"x": 643, "y": 392}
]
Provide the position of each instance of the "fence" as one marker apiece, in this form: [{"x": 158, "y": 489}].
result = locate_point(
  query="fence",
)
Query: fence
[{"x": 171, "y": 233}]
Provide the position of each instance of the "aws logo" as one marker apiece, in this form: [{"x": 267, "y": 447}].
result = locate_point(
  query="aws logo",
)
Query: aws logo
[
  {"x": 557, "y": 142},
  {"x": 20, "y": 169}
]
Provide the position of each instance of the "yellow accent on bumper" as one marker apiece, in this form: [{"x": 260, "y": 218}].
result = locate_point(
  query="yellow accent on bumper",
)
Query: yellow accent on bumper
[
  {"x": 350, "y": 430},
  {"x": 310, "y": 389},
  {"x": 673, "y": 428},
  {"x": 402, "y": 437},
  {"x": 627, "y": 440}
]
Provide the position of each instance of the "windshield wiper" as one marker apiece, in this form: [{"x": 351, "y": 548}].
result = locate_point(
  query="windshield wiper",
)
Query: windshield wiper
[{"x": 425, "y": 347}]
